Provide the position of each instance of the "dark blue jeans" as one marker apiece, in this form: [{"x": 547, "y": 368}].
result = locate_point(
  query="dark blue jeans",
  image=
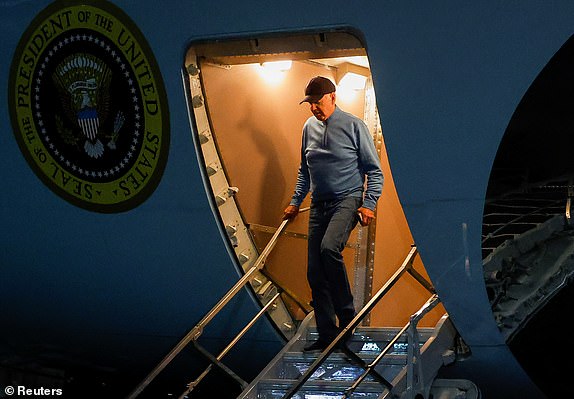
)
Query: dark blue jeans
[{"x": 330, "y": 224}]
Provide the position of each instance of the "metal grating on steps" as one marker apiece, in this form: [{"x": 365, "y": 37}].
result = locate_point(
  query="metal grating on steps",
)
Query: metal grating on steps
[{"x": 338, "y": 373}]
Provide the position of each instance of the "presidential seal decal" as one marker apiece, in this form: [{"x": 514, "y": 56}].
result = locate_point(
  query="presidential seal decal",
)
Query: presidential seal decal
[{"x": 88, "y": 106}]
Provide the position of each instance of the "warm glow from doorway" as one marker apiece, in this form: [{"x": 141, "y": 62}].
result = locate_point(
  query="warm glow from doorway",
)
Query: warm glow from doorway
[
  {"x": 273, "y": 72},
  {"x": 353, "y": 81},
  {"x": 278, "y": 65}
]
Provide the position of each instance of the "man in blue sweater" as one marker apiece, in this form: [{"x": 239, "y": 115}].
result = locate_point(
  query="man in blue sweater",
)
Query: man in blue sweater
[{"x": 341, "y": 169}]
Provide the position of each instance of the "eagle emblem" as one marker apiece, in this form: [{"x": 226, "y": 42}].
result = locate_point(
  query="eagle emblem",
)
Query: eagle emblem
[{"x": 83, "y": 81}]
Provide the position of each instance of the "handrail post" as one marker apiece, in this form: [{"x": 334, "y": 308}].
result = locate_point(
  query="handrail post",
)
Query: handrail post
[
  {"x": 414, "y": 365},
  {"x": 411, "y": 329}
]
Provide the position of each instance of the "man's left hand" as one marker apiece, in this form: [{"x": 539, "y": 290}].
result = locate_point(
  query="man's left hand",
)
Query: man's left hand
[{"x": 366, "y": 216}]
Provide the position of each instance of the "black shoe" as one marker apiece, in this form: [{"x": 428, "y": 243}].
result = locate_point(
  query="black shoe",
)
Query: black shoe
[{"x": 316, "y": 346}]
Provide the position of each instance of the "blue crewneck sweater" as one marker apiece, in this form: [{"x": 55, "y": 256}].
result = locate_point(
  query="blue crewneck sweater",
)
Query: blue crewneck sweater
[{"x": 336, "y": 155}]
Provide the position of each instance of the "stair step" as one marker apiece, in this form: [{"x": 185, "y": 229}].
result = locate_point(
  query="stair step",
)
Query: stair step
[
  {"x": 381, "y": 336},
  {"x": 337, "y": 367},
  {"x": 366, "y": 342},
  {"x": 277, "y": 388},
  {"x": 340, "y": 358},
  {"x": 364, "y": 347}
]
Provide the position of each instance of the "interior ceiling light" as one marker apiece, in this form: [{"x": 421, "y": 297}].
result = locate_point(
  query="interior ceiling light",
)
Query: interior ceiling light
[
  {"x": 353, "y": 81},
  {"x": 351, "y": 76},
  {"x": 278, "y": 65}
]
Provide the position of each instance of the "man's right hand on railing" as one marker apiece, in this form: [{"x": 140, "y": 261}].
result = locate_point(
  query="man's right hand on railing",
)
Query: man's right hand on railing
[{"x": 290, "y": 212}]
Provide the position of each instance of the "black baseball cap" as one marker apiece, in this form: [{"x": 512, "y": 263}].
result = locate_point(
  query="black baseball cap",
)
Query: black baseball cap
[{"x": 317, "y": 88}]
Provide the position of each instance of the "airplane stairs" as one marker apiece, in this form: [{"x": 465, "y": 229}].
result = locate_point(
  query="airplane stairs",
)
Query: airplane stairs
[
  {"x": 391, "y": 377},
  {"x": 376, "y": 362}
]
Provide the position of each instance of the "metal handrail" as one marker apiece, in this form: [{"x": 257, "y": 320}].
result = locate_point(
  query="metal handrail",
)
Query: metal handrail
[
  {"x": 411, "y": 326},
  {"x": 406, "y": 266},
  {"x": 191, "y": 386},
  {"x": 196, "y": 331},
  {"x": 413, "y": 356}
]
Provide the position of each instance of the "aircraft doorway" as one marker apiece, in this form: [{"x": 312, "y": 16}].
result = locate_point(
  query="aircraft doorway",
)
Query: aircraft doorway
[{"x": 245, "y": 95}]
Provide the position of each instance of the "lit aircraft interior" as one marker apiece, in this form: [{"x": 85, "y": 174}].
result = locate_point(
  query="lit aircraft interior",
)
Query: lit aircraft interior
[{"x": 148, "y": 153}]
